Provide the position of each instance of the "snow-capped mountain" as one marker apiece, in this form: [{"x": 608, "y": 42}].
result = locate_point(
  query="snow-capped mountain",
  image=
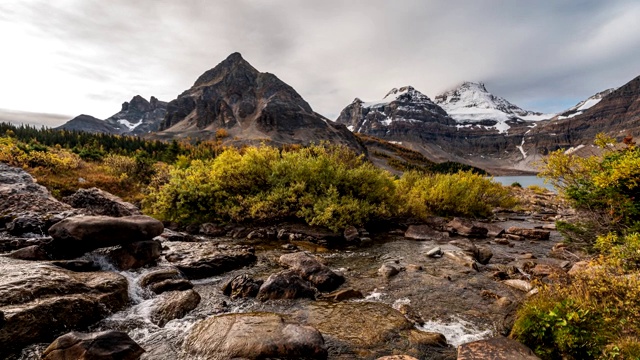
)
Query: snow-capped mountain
[
  {"x": 583, "y": 105},
  {"x": 401, "y": 107},
  {"x": 471, "y": 102}
]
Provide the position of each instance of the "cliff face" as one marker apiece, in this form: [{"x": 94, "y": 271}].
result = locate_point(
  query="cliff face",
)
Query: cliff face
[{"x": 250, "y": 106}]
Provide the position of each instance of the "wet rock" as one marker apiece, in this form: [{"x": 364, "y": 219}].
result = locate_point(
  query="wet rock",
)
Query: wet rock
[
  {"x": 158, "y": 276},
  {"x": 171, "y": 235},
  {"x": 529, "y": 233},
  {"x": 310, "y": 269},
  {"x": 498, "y": 348},
  {"x": 173, "y": 305},
  {"x": 286, "y": 284},
  {"x": 253, "y": 336},
  {"x": 210, "y": 229},
  {"x": 494, "y": 230},
  {"x": 466, "y": 246},
  {"x": 387, "y": 271},
  {"x": 30, "y": 293},
  {"x": 427, "y": 338},
  {"x": 106, "y": 345},
  {"x": 170, "y": 285},
  {"x": 136, "y": 255},
  {"x": 423, "y": 232},
  {"x": 351, "y": 233},
  {"x": 77, "y": 265},
  {"x": 521, "y": 285},
  {"x": 16, "y": 243},
  {"x": 342, "y": 295},
  {"x": 514, "y": 237},
  {"x": 466, "y": 228},
  {"x": 436, "y": 252},
  {"x": 501, "y": 241},
  {"x": 397, "y": 357},
  {"x": 28, "y": 223},
  {"x": 79, "y": 234},
  {"x": 483, "y": 255},
  {"x": 99, "y": 202},
  {"x": 202, "y": 260},
  {"x": 411, "y": 314},
  {"x": 242, "y": 286},
  {"x": 33, "y": 252},
  {"x": 462, "y": 258}
]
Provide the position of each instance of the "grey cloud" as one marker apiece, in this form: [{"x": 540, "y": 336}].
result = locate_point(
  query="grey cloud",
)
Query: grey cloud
[
  {"x": 332, "y": 51},
  {"x": 32, "y": 118}
]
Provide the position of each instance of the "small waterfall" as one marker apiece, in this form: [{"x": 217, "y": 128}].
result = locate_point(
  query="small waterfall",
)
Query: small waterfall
[{"x": 457, "y": 331}]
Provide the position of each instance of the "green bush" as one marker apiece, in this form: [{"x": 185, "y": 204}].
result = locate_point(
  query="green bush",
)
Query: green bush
[
  {"x": 460, "y": 194},
  {"x": 516, "y": 184}
]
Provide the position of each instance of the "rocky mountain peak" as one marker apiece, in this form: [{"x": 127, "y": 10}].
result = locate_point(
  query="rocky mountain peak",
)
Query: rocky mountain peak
[
  {"x": 234, "y": 66},
  {"x": 584, "y": 105}
]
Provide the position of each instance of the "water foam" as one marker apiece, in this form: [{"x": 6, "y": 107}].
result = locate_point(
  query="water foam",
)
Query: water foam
[{"x": 457, "y": 331}]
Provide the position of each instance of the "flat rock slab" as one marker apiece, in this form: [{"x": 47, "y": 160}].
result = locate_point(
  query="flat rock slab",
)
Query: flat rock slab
[
  {"x": 498, "y": 348},
  {"x": 79, "y": 234},
  {"x": 41, "y": 301},
  {"x": 310, "y": 269},
  {"x": 206, "y": 259},
  {"x": 106, "y": 345},
  {"x": 253, "y": 336}
]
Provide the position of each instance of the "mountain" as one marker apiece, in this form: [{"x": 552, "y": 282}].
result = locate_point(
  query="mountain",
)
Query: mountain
[
  {"x": 251, "y": 107},
  {"x": 584, "y": 105},
  {"x": 471, "y": 104},
  {"x": 136, "y": 117}
]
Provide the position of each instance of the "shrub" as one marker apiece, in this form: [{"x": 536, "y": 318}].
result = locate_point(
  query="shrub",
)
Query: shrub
[
  {"x": 460, "y": 194},
  {"x": 516, "y": 184}
]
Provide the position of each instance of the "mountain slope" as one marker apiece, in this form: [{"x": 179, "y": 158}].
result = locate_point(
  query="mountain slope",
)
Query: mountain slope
[
  {"x": 584, "y": 105},
  {"x": 136, "y": 117},
  {"x": 251, "y": 107},
  {"x": 471, "y": 103}
]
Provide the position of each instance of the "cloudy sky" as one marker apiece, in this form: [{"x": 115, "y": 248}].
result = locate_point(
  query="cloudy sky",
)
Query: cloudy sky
[{"x": 66, "y": 57}]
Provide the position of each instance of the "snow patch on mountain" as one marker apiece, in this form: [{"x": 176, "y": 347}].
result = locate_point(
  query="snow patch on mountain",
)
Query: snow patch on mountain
[
  {"x": 584, "y": 105},
  {"x": 130, "y": 125},
  {"x": 471, "y": 102}
]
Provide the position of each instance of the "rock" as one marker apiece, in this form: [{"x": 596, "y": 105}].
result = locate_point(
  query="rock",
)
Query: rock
[
  {"x": 79, "y": 234},
  {"x": 286, "y": 284},
  {"x": 99, "y": 202},
  {"x": 27, "y": 223},
  {"x": 242, "y": 286},
  {"x": 529, "y": 233},
  {"x": 414, "y": 268},
  {"x": 136, "y": 255},
  {"x": 436, "y": 252},
  {"x": 501, "y": 241},
  {"x": 210, "y": 229},
  {"x": 170, "y": 285},
  {"x": 342, "y": 295},
  {"x": 411, "y": 314},
  {"x": 514, "y": 237},
  {"x": 170, "y": 235},
  {"x": 494, "y": 230},
  {"x": 462, "y": 259},
  {"x": 423, "y": 232},
  {"x": 206, "y": 259},
  {"x": 158, "y": 276},
  {"x": 32, "y": 293},
  {"x": 397, "y": 357},
  {"x": 579, "y": 267},
  {"x": 253, "y": 336},
  {"x": 521, "y": 285},
  {"x": 106, "y": 345},
  {"x": 484, "y": 254},
  {"x": 498, "y": 348},
  {"x": 466, "y": 228},
  {"x": 16, "y": 243},
  {"x": 427, "y": 338},
  {"x": 173, "y": 305},
  {"x": 310, "y": 269},
  {"x": 549, "y": 227},
  {"x": 33, "y": 252},
  {"x": 387, "y": 271},
  {"x": 503, "y": 302},
  {"x": 77, "y": 265},
  {"x": 351, "y": 233}
]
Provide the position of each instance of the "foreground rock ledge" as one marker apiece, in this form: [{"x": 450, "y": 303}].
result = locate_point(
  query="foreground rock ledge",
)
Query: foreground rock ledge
[
  {"x": 253, "y": 336},
  {"x": 41, "y": 301},
  {"x": 106, "y": 345}
]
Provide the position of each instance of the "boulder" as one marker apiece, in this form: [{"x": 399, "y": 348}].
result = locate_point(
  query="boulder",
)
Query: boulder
[
  {"x": 242, "y": 286},
  {"x": 173, "y": 305},
  {"x": 310, "y": 269},
  {"x": 99, "y": 202},
  {"x": 171, "y": 285},
  {"x": 521, "y": 285},
  {"x": 286, "y": 284},
  {"x": 171, "y": 235},
  {"x": 493, "y": 230},
  {"x": 210, "y": 229},
  {"x": 28, "y": 223},
  {"x": 342, "y": 295},
  {"x": 351, "y": 233},
  {"x": 106, "y": 345},
  {"x": 206, "y": 259},
  {"x": 483, "y": 255},
  {"x": 535, "y": 234},
  {"x": 497, "y": 348},
  {"x": 41, "y": 301},
  {"x": 423, "y": 232},
  {"x": 466, "y": 228},
  {"x": 158, "y": 275},
  {"x": 253, "y": 336},
  {"x": 388, "y": 270},
  {"x": 77, "y": 235},
  {"x": 136, "y": 255},
  {"x": 33, "y": 252},
  {"x": 436, "y": 252}
]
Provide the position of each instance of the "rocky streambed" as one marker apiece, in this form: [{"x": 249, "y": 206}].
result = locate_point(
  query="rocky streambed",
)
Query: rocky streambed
[{"x": 429, "y": 290}]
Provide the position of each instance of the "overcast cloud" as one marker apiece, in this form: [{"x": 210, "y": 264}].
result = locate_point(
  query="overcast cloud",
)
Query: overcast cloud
[{"x": 82, "y": 56}]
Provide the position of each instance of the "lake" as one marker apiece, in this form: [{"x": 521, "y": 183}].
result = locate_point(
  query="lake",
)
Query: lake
[{"x": 524, "y": 180}]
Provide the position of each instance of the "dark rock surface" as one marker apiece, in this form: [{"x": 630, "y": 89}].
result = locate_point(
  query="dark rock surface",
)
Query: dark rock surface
[
  {"x": 498, "y": 348},
  {"x": 309, "y": 268},
  {"x": 201, "y": 260},
  {"x": 173, "y": 305},
  {"x": 286, "y": 284},
  {"x": 106, "y": 345},
  {"x": 136, "y": 254},
  {"x": 242, "y": 286},
  {"x": 99, "y": 202}
]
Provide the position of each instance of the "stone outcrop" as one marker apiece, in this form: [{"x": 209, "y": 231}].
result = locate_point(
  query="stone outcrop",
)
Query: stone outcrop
[
  {"x": 106, "y": 345},
  {"x": 42, "y": 301},
  {"x": 253, "y": 336},
  {"x": 310, "y": 269},
  {"x": 98, "y": 202},
  {"x": 498, "y": 348}
]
